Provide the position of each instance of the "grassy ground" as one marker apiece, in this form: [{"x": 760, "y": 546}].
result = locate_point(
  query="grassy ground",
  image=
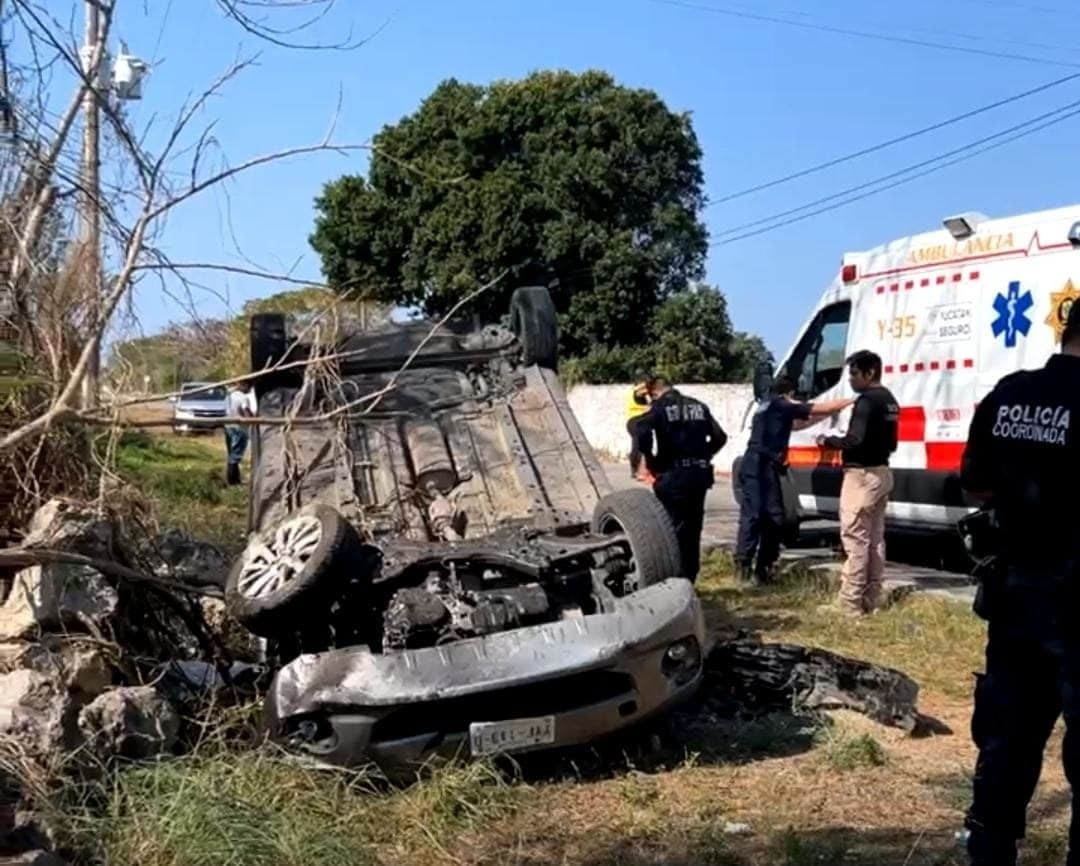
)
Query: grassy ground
[
  {"x": 184, "y": 476},
  {"x": 781, "y": 790}
]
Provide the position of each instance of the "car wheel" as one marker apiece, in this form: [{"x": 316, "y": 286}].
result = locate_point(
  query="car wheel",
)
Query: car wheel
[
  {"x": 269, "y": 345},
  {"x": 533, "y": 321},
  {"x": 654, "y": 547},
  {"x": 288, "y": 572}
]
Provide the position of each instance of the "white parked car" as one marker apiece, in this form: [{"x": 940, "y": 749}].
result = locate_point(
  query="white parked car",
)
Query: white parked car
[{"x": 200, "y": 406}]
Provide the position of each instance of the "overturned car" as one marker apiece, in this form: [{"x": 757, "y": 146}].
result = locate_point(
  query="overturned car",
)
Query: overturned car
[{"x": 437, "y": 560}]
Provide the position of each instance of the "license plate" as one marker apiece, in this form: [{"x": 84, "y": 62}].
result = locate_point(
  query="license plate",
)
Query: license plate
[{"x": 492, "y": 738}]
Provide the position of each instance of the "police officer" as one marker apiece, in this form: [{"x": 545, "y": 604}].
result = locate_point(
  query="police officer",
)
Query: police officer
[
  {"x": 1023, "y": 460},
  {"x": 686, "y": 438},
  {"x": 761, "y": 501}
]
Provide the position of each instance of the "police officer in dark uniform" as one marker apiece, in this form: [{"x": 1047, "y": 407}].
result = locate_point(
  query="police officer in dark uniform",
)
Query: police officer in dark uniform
[
  {"x": 1023, "y": 460},
  {"x": 761, "y": 500},
  {"x": 686, "y": 438}
]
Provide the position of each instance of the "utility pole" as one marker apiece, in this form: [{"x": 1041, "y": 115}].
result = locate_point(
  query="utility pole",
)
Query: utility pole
[
  {"x": 89, "y": 209},
  {"x": 7, "y": 109}
]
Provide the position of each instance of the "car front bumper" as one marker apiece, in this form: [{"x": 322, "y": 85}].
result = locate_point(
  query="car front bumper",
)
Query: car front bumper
[
  {"x": 192, "y": 423},
  {"x": 593, "y": 675}
]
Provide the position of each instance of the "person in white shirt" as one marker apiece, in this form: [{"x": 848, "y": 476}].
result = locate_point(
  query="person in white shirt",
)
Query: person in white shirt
[{"x": 239, "y": 404}]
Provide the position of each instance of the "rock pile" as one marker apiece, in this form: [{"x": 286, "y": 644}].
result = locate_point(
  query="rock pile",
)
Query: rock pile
[{"x": 91, "y": 655}]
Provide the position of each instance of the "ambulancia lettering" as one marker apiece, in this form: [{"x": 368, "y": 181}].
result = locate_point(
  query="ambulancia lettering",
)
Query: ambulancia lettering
[{"x": 945, "y": 252}]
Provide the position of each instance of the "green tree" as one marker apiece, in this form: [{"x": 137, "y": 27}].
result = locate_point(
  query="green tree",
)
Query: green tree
[
  {"x": 745, "y": 353},
  {"x": 694, "y": 341},
  {"x": 599, "y": 182},
  {"x": 689, "y": 339},
  {"x": 182, "y": 352}
]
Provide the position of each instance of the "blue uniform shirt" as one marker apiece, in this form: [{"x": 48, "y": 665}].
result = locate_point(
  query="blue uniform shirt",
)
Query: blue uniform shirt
[
  {"x": 771, "y": 429},
  {"x": 686, "y": 434}
]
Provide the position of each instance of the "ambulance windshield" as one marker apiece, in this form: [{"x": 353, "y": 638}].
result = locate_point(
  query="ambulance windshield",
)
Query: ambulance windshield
[{"x": 817, "y": 364}]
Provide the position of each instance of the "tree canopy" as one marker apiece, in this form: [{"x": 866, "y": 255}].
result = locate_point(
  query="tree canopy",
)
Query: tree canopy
[
  {"x": 690, "y": 339},
  {"x": 599, "y": 182}
]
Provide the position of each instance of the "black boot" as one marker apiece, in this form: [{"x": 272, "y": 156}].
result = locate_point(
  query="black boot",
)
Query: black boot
[
  {"x": 744, "y": 574},
  {"x": 232, "y": 476},
  {"x": 990, "y": 849}
]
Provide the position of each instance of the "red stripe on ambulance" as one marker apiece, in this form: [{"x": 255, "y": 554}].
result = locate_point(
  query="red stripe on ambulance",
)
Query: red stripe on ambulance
[
  {"x": 912, "y": 424},
  {"x": 944, "y": 456}
]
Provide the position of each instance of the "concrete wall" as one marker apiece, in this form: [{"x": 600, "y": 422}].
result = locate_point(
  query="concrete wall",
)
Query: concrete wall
[{"x": 601, "y": 411}]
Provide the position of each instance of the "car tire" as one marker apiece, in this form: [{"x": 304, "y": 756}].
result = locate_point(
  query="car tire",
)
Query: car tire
[
  {"x": 640, "y": 516},
  {"x": 533, "y": 320},
  {"x": 269, "y": 345},
  {"x": 269, "y": 340},
  {"x": 269, "y": 600}
]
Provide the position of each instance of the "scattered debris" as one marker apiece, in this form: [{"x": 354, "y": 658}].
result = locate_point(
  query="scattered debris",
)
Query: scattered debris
[
  {"x": 736, "y": 829},
  {"x": 190, "y": 561},
  {"x": 87, "y": 618},
  {"x": 186, "y": 682},
  {"x": 129, "y": 722},
  {"x": 65, "y": 524},
  {"x": 753, "y": 675}
]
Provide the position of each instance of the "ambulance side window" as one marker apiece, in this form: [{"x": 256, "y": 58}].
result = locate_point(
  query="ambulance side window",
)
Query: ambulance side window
[{"x": 817, "y": 364}]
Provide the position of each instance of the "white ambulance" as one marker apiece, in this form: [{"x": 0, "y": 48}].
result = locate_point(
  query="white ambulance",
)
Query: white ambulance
[{"x": 950, "y": 312}]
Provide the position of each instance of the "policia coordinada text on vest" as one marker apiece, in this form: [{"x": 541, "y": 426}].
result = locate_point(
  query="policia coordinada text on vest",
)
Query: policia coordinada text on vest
[{"x": 1023, "y": 460}]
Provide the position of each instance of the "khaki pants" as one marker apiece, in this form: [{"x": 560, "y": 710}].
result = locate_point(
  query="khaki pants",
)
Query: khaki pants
[{"x": 863, "y": 498}]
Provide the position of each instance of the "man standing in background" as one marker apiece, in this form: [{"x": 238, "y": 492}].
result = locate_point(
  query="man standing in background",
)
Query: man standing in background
[
  {"x": 868, "y": 481},
  {"x": 239, "y": 404}
]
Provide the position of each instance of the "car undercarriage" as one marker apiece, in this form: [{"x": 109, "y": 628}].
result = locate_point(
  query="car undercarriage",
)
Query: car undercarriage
[{"x": 435, "y": 545}]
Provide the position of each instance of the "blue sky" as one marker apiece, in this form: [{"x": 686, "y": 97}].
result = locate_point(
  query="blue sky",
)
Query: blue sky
[{"x": 766, "y": 100}]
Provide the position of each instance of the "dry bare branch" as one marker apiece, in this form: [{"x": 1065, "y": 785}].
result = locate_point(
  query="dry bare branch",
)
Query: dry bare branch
[{"x": 24, "y": 557}]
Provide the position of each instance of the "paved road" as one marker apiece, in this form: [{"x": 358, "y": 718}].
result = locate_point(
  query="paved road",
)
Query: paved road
[{"x": 914, "y": 563}]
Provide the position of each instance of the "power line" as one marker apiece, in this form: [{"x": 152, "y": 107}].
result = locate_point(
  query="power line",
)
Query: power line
[
  {"x": 1050, "y": 10},
  {"x": 907, "y": 170},
  {"x": 885, "y": 144},
  {"x": 863, "y": 34},
  {"x": 901, "y": 182}
]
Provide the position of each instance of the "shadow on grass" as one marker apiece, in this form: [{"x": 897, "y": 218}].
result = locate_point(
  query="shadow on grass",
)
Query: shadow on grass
[
  {"x": 710, "y": 844},
  {"x": 689, "y": 736}
]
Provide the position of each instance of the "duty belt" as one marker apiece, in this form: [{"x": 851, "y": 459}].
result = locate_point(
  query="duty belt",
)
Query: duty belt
[{"x": 690, "y": 463}]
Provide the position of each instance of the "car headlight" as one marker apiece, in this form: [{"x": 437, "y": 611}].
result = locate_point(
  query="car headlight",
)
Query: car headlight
[{"x": 682, "y": 660}]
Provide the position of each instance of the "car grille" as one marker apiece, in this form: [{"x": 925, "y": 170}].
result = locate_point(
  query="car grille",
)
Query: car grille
[
  {"x": 550, "y": 697},
  {"x": 208, "y": 413}
]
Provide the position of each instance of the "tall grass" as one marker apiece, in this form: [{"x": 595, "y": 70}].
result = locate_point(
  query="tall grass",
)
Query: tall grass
[{"x": 262, "y": 807}]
